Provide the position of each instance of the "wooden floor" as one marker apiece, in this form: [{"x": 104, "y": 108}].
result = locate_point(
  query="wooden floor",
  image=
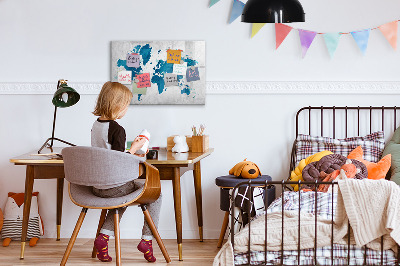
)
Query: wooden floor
[{"x": 50, "y": 252}]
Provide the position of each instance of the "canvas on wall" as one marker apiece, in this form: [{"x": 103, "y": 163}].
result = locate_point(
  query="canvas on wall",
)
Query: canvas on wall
[{"x": 160, "y": 72}]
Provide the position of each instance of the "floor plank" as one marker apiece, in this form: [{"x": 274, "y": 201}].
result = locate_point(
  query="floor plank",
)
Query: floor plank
[{"x": 49, "y": 252}]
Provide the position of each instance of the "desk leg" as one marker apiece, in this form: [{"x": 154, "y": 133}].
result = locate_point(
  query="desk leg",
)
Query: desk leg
[
  {"x": 27, "y": 206},
  {"x": 199, "y": 204},
  {"x": 176, "y": 182},
  {"x": 60, "y": 190}
]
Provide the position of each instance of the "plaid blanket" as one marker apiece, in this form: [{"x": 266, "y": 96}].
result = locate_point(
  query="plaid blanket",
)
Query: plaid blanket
[{"x": 323, "y": 205}]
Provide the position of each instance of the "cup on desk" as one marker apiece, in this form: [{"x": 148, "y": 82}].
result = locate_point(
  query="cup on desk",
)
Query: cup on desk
[{"x": 152, "y": 155}]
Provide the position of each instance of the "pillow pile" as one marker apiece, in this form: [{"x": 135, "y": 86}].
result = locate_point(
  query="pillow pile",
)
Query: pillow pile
[{"x": 372, "y": 144}]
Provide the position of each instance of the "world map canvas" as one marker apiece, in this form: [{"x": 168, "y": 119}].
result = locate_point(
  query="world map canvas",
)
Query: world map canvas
[{"x": 161, "y": 72}]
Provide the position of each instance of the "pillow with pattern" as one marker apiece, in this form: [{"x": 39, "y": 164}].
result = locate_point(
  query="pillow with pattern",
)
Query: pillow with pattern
[{"x": 372, "y": 145}]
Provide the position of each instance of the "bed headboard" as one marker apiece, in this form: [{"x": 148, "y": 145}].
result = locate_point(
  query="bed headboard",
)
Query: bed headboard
[{"x": 344, "y": 121}]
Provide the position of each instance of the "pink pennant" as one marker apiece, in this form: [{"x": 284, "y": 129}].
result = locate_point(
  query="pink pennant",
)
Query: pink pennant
[
  {"x": 281, "y": 31},
  {"x": 389, "y": 30},
  {"x": 306, "y": 39}
]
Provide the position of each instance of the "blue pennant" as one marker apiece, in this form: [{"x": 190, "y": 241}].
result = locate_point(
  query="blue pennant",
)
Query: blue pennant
[{"x": 237, "y": 9}]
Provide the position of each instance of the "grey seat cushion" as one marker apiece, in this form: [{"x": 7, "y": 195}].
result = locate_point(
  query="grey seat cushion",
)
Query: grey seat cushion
[{"x": 83, "y": 196}]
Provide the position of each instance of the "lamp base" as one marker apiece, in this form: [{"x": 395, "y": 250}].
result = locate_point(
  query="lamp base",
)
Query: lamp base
[{"x": 50, "y": 146}]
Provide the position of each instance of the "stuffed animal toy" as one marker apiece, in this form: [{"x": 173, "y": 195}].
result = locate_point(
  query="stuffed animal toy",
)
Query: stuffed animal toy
[
  {"x": 180, "y": 144},
  {"x": 375, "y": 170},
  {"x": 13, "y": 215},
  {"x": 245, "y": 169}
]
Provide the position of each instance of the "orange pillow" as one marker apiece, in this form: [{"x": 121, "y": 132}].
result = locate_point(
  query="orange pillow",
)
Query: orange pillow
[{"x": 375, "y": 170}]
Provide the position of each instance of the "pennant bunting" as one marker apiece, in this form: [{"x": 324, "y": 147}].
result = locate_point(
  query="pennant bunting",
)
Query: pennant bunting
[
  {"x": 332, "y": 41},
  {"x": 256, "y": 27},
  {"x": 306, "y": 39},
  {"x": 281, "y": 31},
  {"x": 213, "y": 2},
  {"x": 389, "y": 30},
  {"x": 361, "y": 37},
  {"x": 237, "y": 9}
]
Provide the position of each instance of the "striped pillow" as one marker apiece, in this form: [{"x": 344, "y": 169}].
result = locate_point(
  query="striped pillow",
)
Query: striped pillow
[
  {"x": 13, "y": 228},
  {"x": 372, "y": 145}
]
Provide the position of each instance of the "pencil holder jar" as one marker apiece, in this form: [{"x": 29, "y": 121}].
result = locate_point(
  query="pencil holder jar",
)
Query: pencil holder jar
[{"x": 200, "y": 143}]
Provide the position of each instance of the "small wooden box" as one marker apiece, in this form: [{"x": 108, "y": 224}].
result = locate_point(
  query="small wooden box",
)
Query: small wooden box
[
  {"x": 171, "y": 143},
  {"x": 200, "y": 143}
]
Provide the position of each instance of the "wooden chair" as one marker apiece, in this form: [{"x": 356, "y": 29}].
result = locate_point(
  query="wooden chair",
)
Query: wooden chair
[{"x": 85, "y": 167}]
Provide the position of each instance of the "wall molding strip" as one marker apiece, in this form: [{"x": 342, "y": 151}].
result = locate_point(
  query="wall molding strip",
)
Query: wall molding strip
[{"x": 231, "y": 87}]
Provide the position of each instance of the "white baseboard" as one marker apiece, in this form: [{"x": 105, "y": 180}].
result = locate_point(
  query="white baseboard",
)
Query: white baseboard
[{"x": 231, "y": 87}]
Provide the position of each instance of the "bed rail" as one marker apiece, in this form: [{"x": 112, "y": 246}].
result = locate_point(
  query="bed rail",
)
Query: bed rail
[{"x": 265, "y": 185}]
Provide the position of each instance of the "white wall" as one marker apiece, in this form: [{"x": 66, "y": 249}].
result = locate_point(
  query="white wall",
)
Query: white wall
[{"x": 42, "y": 41}]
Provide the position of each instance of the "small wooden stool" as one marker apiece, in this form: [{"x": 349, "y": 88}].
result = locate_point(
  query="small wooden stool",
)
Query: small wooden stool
[{"x": 226, "y": 183}]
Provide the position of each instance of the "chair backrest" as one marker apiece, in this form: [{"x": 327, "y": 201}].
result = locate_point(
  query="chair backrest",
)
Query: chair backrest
[{"x": 92, "y": 166}]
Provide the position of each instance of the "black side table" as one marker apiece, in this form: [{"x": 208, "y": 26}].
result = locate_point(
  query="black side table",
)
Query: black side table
[{"x": 226, "y": 183}]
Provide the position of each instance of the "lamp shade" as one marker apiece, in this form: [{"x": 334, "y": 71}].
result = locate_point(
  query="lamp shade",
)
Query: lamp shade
[
  {"x": 273, "y": 11},
  {"x": 65, "y": 96}
]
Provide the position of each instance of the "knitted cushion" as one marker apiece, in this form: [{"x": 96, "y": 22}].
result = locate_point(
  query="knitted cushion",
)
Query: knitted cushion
[
  {"x": 372, "y": 144},
  {"x": 328, "y": 164},
  {"x": 393, "y": 148}
]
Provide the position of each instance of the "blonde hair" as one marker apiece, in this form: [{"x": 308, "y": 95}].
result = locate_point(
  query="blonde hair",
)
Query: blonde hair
[{"x": 112, "y": 99}]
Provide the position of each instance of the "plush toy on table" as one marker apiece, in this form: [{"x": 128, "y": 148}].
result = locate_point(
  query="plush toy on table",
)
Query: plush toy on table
[
  {"x": 13, "y": 215},
  {"x": 180, "y": 144},
  {"x": 245, "y": 169}
]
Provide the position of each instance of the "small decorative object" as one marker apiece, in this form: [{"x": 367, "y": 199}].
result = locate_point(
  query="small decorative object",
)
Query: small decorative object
[
  {"x": 152, "y": 155},
  {"x": 180, "y": 144},
  {"x": 13, "y": 215},
  {"x": 65, "y": 96},
  {"x": 144, "y": 134},
  {"x": 171, "y": 143},
  {"x": 245, "y": 169},
  {"x": 162, "y": 72}
]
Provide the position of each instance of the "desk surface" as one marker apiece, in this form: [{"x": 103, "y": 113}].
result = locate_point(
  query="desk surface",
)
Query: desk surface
[{"x": 164, "y": 157}]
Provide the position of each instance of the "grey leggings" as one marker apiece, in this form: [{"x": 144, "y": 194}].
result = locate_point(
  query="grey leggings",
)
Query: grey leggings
[{"x": 154, "y": 208}]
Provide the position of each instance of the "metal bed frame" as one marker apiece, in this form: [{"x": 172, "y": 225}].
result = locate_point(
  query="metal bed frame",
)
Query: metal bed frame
[{"x": 283, "y": 184}]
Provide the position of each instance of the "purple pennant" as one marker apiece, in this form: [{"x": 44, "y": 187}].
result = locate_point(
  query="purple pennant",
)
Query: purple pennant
[{"x": 306, "y": 39}]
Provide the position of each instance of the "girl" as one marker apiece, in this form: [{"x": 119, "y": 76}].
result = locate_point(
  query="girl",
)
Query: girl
[{"x": 112, "y": 104}]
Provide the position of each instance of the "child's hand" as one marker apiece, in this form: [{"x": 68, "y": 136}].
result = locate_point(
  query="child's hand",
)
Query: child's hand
[
  {"x": 137, "y": 144},
  {"x": 143, "y": 155}
]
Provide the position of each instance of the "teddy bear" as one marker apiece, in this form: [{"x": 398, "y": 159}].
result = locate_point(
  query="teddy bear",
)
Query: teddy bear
[
  {"x": 13, "y": 215},
  {"x": 245, "y": 169},
  {"x": 180, "y": 144}
]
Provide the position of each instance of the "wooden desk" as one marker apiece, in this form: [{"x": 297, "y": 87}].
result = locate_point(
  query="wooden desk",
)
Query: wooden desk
[
  {"x": 171, "y": 167},
  {"x": 40, "y": 167}
]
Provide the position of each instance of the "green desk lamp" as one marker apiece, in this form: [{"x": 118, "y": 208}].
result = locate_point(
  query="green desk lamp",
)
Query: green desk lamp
[{"x": 65, "y": 96}]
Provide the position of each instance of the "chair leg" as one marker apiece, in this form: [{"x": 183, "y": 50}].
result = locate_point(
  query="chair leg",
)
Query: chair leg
[
  {"x": 101, "y": 222},
  {"x": 223, "y": 229},
  {"x": 117, "y": 239},
  {"x": 73, "y": 237},
  {"x": 154, "y": 230}
]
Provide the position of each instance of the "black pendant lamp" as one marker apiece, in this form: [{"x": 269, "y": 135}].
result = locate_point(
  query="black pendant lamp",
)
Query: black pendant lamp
[{"x": 273, "y": 11}]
